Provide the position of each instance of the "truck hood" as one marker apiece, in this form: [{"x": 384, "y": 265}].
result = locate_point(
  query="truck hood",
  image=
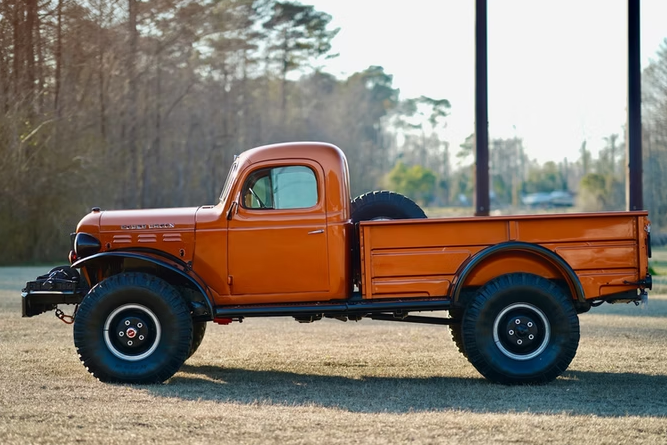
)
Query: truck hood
[
  {"x": 179, "y": 219},
  {"x": 171, "y": 231}
]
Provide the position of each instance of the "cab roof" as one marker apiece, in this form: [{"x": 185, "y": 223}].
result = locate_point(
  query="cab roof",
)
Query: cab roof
[{"x": 321, "y": 152}]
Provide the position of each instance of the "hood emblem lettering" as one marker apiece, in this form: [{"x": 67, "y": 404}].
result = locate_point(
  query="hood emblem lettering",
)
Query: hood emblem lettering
[{"x": 147, "y": 226}]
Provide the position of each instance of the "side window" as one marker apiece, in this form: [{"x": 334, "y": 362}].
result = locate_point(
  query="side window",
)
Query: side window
[{"x": 292, "y": 187}]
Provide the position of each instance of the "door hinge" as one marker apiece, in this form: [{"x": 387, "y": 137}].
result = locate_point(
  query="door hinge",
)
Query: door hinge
[{"x": 230, "y": 279}]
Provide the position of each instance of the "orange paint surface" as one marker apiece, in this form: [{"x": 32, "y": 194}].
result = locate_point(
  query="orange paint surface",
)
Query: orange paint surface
[{"x": 258, "y": 246}]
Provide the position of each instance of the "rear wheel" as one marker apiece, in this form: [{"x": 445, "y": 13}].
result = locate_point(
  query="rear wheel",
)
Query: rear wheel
[
  {"x": 384, "y": 205},
  {"x": 133, "y": 328},
  {"x": 520, "y": 329},
  {"x": 456, "y": 331}
]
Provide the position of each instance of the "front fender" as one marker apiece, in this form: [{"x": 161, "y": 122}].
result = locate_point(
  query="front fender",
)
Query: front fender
[{"x": 173, "y": 271}]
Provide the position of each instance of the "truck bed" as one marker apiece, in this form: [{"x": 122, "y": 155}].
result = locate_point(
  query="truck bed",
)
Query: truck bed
[{"x": 428, "y": 258}]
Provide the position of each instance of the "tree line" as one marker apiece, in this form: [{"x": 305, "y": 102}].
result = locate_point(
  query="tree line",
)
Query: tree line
[
  {"x": 597, "y": 181},
  {"x": 144, "y": 103}
]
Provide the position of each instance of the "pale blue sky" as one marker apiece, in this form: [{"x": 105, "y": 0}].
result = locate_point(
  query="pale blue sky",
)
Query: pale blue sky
[{"x": 557, "y": 68}]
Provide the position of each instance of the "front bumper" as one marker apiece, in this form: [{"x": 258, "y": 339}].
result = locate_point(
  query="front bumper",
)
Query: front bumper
[{"x": 48, "y": 291}]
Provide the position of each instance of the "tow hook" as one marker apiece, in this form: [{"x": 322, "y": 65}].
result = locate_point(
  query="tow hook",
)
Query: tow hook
[{"x": 67, "y": 319}]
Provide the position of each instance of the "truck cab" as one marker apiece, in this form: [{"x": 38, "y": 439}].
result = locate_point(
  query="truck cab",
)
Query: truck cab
[{"x": 281, "y": 231}]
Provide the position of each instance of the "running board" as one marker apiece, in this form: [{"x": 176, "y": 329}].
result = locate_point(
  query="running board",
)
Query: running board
[
  {"x": 415, "y": 319},
  {"x": 361, "y": 308}
]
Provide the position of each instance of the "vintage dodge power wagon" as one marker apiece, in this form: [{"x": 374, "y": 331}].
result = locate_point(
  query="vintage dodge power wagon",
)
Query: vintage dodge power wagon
[{"x": 285, "y": 239}]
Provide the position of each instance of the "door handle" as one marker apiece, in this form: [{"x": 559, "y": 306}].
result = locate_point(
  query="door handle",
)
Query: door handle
[{"x": 314, "y": 232}]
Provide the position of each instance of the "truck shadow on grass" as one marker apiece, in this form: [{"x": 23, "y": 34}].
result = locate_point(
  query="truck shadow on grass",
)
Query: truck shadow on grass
[{"x": 576, "y": 392}]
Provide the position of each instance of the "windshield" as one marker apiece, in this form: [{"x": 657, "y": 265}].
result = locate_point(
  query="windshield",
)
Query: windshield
[{"x": 229, "y": 181}]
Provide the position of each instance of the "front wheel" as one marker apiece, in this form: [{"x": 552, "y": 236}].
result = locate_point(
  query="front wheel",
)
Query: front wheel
[
  {"x": 198, "y": 331},
  {"x": 520, "y": 329},
  {"x": 133, "y": 328}
]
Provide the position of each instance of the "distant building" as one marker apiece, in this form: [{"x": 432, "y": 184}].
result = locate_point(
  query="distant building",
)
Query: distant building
[{"x": 557, "y": 198}]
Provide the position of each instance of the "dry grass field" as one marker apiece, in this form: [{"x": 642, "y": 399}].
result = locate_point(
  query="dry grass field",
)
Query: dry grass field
[{"x": 277, "y": 381}]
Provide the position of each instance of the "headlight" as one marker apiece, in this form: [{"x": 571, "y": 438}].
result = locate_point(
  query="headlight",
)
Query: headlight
[{"x": 86, "y": 245}]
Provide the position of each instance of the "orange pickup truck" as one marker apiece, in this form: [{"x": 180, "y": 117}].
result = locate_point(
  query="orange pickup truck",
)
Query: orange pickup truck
[{"x": 285, "y": 239}]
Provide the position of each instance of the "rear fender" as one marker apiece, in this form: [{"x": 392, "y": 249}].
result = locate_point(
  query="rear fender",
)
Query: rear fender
[
  {"x": 542, "y": 259},
  {"x": 102, "y": 265}
]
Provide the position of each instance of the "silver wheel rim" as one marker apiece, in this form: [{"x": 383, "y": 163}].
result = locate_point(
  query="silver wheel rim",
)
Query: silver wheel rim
[
  {"x": 526, "y": 307},
  {"x": 110, "y": 344}
]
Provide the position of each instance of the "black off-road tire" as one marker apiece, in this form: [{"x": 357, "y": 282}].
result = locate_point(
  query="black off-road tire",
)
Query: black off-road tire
[
  {"x": 520, "y": 329},
  {"x": 384, "y": 205},
  {"x": 456, "y": 331},
  {"x": 198, "y": 331},
  {"x": 133, "y": 328}
]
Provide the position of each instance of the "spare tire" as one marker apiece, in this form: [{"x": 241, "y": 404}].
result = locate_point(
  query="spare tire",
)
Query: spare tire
[{"x": 384, "y": 205}]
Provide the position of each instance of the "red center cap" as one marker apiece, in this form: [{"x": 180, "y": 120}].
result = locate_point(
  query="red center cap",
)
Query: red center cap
[{"x": 131, "y": 332}]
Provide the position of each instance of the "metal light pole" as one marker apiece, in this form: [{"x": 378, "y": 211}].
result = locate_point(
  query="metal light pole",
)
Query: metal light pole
[
  {"x": 481, "y": 113},
  {"x": 634, "y": 190}
]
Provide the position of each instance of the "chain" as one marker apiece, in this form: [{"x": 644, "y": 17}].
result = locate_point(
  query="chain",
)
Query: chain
[{"x": 67, "y": 319}]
